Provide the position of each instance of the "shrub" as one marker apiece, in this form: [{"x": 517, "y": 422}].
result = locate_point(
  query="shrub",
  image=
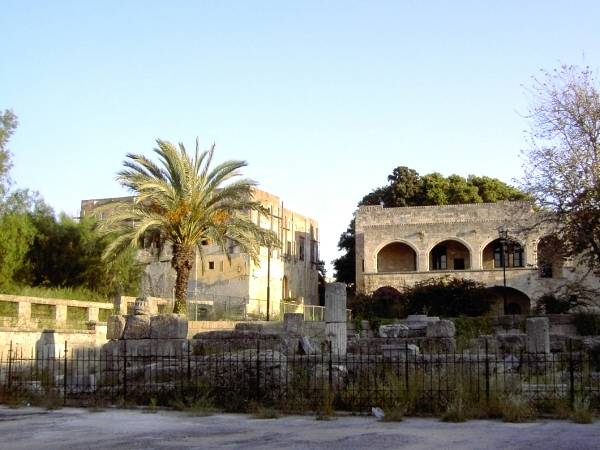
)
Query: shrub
[
  {"x": 515, "y": 408},
  {"x": 448, "y": 297},
  {"x": 587, "y": 324},
  {"x": 582, "y": 412},
  {"x": 551, "y": 304}
]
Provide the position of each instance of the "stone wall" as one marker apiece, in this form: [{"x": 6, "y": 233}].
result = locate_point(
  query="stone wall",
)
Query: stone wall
[
  {"x": 473, "y": 226},
  {"x": 50, "y": 342}
]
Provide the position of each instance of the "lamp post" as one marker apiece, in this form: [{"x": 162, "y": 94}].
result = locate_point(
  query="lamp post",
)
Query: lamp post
[{"x": 503, "y": 233}]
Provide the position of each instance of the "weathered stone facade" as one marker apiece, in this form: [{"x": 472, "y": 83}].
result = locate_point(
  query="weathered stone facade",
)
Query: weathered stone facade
[
  {"x": 399, "y": 247},
  {"x": 289, "y": 272}
]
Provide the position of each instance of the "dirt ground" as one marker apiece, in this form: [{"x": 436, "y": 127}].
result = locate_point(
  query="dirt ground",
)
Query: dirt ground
[{"x": 72, "y": 428}]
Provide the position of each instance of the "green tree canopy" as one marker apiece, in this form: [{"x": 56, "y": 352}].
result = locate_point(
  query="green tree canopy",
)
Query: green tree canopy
[{"x": 407, "y": 188}]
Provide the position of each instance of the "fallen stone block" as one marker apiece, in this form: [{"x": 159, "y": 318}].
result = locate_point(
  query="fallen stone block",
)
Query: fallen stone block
[
  {"x": 168, "y": 326},
  {"x": 137, "y": 327}
]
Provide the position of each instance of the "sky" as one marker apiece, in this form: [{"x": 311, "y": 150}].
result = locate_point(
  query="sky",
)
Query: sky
[{"x": 323, "y": 99}]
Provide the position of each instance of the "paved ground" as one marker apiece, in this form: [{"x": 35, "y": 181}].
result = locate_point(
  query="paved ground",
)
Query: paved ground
[{"x": 70, "y": 428}]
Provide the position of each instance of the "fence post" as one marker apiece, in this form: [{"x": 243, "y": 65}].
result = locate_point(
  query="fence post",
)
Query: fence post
[
  {"x": 189, "y": 365},
  {"x": 65, "y": 375},
  {"x": 257, "y": 369},
  {"x": 124, "y": 371},
  {"x": 406, "y": 366},
  {"x": 330, "y": 369},
  {"x": 571, "y": 376},
  {"x": 9, "y": 384},
  {"x": 487, "y": 372}
]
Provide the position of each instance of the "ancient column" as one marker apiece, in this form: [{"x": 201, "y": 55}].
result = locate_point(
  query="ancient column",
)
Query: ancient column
[
  {"x": 335, "y": 317},
  {"x": 538, "y": 335}
]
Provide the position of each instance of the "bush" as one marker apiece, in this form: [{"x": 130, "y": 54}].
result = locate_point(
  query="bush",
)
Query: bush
[
  {"x": 551, "y": 304},
  {"x": 448, "y": 297},
  {"x": 587, "y": 324}
]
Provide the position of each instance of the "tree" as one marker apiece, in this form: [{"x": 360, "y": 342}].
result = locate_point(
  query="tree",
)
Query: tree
[
  {"x": 562, "y": 161},
  {"x": 187, "y": 201},
  {"x": 407, "y": 188},
  {"x": 68, "y": 253},
  {"x": 8, "y": 125},
  {"x": 16, "y": 235}
]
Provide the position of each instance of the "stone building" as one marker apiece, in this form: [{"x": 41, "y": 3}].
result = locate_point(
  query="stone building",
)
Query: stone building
[
  {"x": 289, "y": 272},
  {"x": 399, "y": 247}
]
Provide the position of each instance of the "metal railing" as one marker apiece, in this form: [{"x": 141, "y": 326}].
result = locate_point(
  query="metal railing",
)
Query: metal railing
[
  {"x": 207, "y": 306},
  {"x": 232, "y": 374}
]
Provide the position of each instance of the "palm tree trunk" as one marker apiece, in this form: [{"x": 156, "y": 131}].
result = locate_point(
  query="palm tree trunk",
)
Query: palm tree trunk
[{"x": 182, "y": 263}]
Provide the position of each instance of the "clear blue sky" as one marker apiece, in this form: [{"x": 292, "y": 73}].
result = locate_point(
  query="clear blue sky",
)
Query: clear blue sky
[{"x": 323, "y": 99}]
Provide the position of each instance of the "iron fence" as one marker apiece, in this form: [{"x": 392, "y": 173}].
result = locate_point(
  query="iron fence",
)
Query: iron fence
[{"x": 236, "y": 373}]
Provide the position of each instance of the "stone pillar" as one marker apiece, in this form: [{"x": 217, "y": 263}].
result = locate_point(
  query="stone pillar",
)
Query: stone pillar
[
  {"x": 92, "y": 314},
  {"x": 335, "y": 316},
  {"x": 538, "y": 335},
  {"x": 23, "y": 312},
  {"x": 60, "y": 313},
  {"x": 293, "y": 323},
  {"x": 120, "y": 305}
]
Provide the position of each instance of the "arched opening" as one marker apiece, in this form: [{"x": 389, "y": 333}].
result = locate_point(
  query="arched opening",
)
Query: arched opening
[
  {"x": 516, "y": 301},
  {"x": 449, "y": 255},
  {"x": 396, "y": 257},
  {"x": 550, "y": 257},
  {"x": 498, "y": 254}
]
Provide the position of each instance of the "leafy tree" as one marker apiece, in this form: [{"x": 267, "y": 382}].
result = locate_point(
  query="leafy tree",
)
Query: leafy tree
[
  {"x": 407, "y": 188},
  {"x": 8, "y": 125},
  {"x": 66, "y": 253},
  {"x": 16, "y": 235},
  {"x": 562, "y": 161},
  {"x": 187, "y": 201}
]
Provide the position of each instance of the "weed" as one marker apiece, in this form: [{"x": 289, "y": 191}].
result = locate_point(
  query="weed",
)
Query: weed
[
  {"x": 262, "y": 412},
  {"x": 515, "y": 408},
  {"x": 394, "y": 413},
  {"x": 456, "y": 411},
  {"x": 582, "y": 412}
]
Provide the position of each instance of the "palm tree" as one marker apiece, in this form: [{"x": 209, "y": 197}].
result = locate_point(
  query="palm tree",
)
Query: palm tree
[{"x": 188, "y": 202}]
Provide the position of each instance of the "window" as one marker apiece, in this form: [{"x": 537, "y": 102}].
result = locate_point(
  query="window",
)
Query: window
[
  {"x": 288, "y": 251},
  {"x": 440, "y": 260},
  {"x": 459, "y": 264},
  {"x": 301, "y": 249},
  {"x": 211, "y": 265},
  {"x": 514, "y": 255}
]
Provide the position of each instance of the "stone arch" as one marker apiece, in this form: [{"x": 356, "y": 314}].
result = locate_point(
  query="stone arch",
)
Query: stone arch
[
  {"x": 550, "y": 256},
  {"x": 450, "y": 254},
  {"x": 396, "y": 256},
  {"x": 491, "y": 254},
  {"x": 517, "y": 302}
]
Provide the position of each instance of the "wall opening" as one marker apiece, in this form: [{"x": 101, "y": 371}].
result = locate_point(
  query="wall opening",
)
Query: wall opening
[
  {"x": 449, "y": 255},
  {"x": 498, "y": 254},
  {"x": 396, "y": 257},
  {"x": 550, "y": 257},
  {"x": 516, "y": 301}
]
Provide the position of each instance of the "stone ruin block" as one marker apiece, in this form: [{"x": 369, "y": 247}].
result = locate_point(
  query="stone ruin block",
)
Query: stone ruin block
[
  {"x": 438, "y": 345},
  {"x": 137, "y": 327},
  {"x": 441, "y": 329},
  {"x": 168, "y": 326},
  {"x": 399, "y": 350},
  {"x": 145, "y": 306},
  {"x": 395, "y": 330},
  {"x": 293, "y": 323},
  {"x": 115, "y": 326},
  {"x": 538, "y": 335}
]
